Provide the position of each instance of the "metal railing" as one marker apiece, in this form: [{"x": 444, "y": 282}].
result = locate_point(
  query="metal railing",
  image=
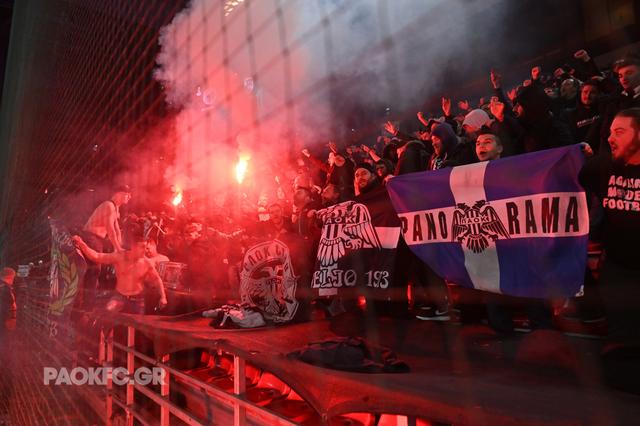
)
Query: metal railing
[
  {"x": 68, "y": 350},
  {"x": 68, "y": 344},
  {"x": 242, "y": 408},
  {"x": 118, "y": 343}
]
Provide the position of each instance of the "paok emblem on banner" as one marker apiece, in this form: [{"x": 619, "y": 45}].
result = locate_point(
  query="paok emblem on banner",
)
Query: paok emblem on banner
[
  {"x": 357, "y": 244},
  {"x": 268, "y": 282},
  {"x": 347, "y": 226},
  {"x": 516, "y": 226},
  {"x": 475, "y": 225}
]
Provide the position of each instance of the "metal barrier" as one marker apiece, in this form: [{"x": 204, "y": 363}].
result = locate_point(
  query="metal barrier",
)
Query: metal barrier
[
  {"x": 242, "y": 408},
  {"x": 81, "y": 350},
  {"x": 33, "y": 322},
  {"x": 231, "y": 397}
]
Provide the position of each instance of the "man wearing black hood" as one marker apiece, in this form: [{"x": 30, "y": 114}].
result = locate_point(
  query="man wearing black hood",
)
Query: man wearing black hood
[
  {"x": 447, "y": 150},
  {"x": 542, "y": 129},
  {"x": 414, "y": 157}
]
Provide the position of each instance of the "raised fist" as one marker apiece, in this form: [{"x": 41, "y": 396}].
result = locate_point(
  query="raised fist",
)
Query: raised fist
[
  {"x": 446, "y": 106},
  {"x": 497, "y": 109},
  {"x": 535, "y": 73},
  {"x": 582, "y": 55},
  {"x": 496, "y": 79},
  {"x": 558, "y": 73}
]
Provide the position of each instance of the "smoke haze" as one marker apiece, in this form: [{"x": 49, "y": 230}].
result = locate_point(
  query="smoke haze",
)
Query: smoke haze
[{"x": 269, "y": 77}]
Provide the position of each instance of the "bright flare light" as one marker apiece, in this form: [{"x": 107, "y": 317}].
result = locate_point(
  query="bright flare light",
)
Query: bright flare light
[
  {"x": 230, "y": 5},
  {"x": 241, "y": 169},
  {"x": 177, "y": 199}
]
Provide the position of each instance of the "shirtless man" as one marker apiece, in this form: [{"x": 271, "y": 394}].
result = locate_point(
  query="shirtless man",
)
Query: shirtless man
[
  {"x": 103, "y": 224},
  {"x": 152, "y": 254},
  {"x": 133, "y": 269}
]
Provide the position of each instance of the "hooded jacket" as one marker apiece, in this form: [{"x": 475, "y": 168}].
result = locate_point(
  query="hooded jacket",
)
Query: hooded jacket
[
  {"x": 454, "y": 152},
  {"x": 542, "y": 129},
  {"x": 415, "y": 158}
]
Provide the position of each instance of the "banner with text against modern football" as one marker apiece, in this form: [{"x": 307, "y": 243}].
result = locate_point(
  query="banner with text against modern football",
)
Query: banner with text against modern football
[{"x": 517, "y": 226}]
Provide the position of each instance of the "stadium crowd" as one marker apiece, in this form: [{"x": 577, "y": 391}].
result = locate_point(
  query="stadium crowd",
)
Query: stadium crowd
[{"x": 581, "y": 104}]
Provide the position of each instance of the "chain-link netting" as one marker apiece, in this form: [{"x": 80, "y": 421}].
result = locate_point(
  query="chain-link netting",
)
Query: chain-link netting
[
  {"x": 170, "y": 95},
  {"x": 220, "y": 118}
]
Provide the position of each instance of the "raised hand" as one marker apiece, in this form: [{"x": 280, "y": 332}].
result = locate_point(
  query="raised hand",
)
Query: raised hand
[
  {"x": 496, "y": 79},
  {"x": 582, "y": 55},
  {"x": 446, "y": 106},
  {"x": 586, "y": 149},
  {"x": 558, "y": 73},
  {"x": 389, "y": 127},
  {"x": 77, "y": 240},
  {"x": 497, "y": 109},
  {"x": 463, "y": 105},
  {"x": 422, "y": 118}
]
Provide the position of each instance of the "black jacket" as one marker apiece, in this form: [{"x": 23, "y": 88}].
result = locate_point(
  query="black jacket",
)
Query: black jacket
[
  {"x": 618, "y": 186},
  {"x": 415, "y": 158},
  {"x": 581, "y": 120},
  {"x": 542, "y": 129},
  {"x": 511, "y": 134},
  {"x": 613, "y": 106}
]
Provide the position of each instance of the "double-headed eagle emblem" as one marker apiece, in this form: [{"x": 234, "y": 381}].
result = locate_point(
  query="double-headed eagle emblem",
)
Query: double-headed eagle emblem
[
  {"x": 476, "y": 225},
  {"x": 346, "y": 226}
]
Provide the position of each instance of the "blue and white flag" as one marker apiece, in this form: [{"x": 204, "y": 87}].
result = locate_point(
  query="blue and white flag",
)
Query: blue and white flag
[{"x": 517, "y": 226}]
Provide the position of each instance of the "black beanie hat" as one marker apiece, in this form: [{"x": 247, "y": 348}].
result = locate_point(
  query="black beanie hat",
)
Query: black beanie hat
[{"x": 367, "y": 166}]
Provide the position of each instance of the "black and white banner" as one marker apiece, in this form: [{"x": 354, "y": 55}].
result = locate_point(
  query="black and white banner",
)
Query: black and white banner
[
  {"x": 358, "y": 244},
  {"x": 268, "y": 279}
]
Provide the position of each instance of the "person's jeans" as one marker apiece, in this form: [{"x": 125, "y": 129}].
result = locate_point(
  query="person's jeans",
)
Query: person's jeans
[
  {"x": 92, "y": 275},
  {"x": 127, "y": 304},
  {"x": 620, "y": 291}
]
